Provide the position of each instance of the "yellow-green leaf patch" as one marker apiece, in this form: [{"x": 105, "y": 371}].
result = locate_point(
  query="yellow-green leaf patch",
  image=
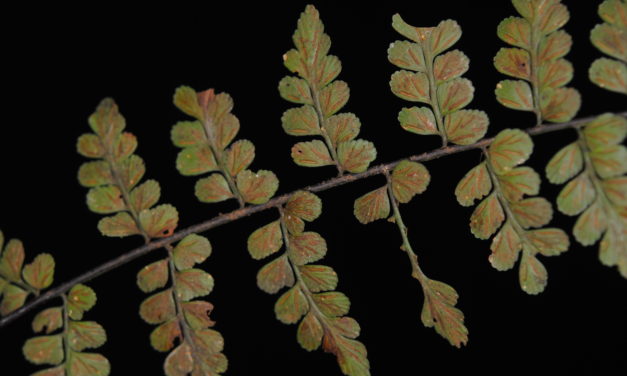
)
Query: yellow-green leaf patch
[
  {"x": 515, "y": 31},
  {"x": 518, "y": 182},
  {"x": 291, "y": 306},
  {"x": 186, "y": 100},
  {"x": 257, "y": 187},
  {"x": 239, "y": 156},
  {"x": 455, "y": 94},
  {"x": 355, "y": 156},
  {"x": 145, "y": 195},
  {"x": 310, "y": 332},
  {"x": 306, "y": 247},
  {"x": 513, "y": 62},
  {"x": 576, "y": 195},
  {"x": 342, "y": 128},
  {"x": 49, "y": 319},
  {"x": 44, "y": 349},
  {"x": 514, "y": 94},
  {"x": 319, "y": 277},
  {"x": 188, "y": 133},
  {"x": 510, "y": 148},
  {"x": 158, "y": 308},
  {"x": 88, "y": 364},
  {"x": 300, "y": 121},
  {"x": 554, "y": 46},
  {"x": 605, "y": 130},
  {"x": 13, "y": 298},
  {"x": 610, "y": 161},
  {"x": 12, "y": 260},
  {"x": 332, "y": 303},
  {"x": 192, "y": 283},
  {"x": 372, "y": 206},
  {"x": 85, "y": 335},
  {"x": 89, "y": 145},
  {"x": 197, "y": 314},
  {"x": 475, "y": 185},
  {"x": 333, "y": 97},
  {"x": 610, "y": 40},
  {"x": 419, "y": 120},
  {"x": 555, "y": 74},
  {"x": 80, "y": 299},
  {"x": 196, "y": 160},
  {"x": 105, "y": 199},
  {"x": 559, "y": 105},
  {"x": 265, "y": 240},
  {"x": 213, "y": 188},
  {"x": 487, "y": 217},
  {"x": 160, "y": 221},
  {"x": 304, "y": 205},
  {"x": 407, "y": 55},
  {"x": 549, "y": 241},
  {"x": 565, "y": 164},
  {"x": 532, "y": 212},
  {"x": 609, "y": 74},
  {"x": 409, "y": 179},
  {"x": 40, "y": 272},
  {"x": 162, "y": 338},
  {"x": 465, "y": 127},
  {"x": 532, "y": 274},
  {"x": 505, "y": 247},
  {"x": 192, "y": 250},
  {"x": 153, "y": 276},
  {"x": 591, "y": 224},
  {"x": 275, "y": 275},
  {"x": 93, "y": 174},
  {"x": 311, "y": 154},
  {"x": 450, "y": 65},
  {"x": 410, "y": 86}
]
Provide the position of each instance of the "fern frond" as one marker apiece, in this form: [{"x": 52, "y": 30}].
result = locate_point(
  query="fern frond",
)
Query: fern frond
[
  {"x": 205, "y": 144},
  {"x": 434, "y": 78},
  {"x": 518, "y": 220},
  {"x": 64, "y": 350},
  {"x": 610, "y": 38},
  {"x": 310, "y": 296},
  {"x": 594, "y": 167},
  {"x": 17, "y": 280},
  {"x": 113, "y": 179},
  {"x": 537, "y": 61},
  {"x": 321, "y": 98}
]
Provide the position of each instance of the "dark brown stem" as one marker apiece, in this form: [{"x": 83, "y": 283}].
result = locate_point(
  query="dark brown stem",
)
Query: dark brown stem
[{"x": 280, "y": 200}]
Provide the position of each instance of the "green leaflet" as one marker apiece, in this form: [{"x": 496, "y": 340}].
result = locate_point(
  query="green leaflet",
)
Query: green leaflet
[
  {"x": 205, "y": 147},
  {"x": 409, "y": 179},
  {"x": 439, "y": 311},
  {"x": 114, "y": 180},
  {"x": 74, "y": 338},
  {"x": 431, "y": 78},
  {"x": 310, "y": 300},
  {"x": 17, "y": 280},
  {"x": 510, "y": 216},
  {"x": 537, "y": 63},
  {"x": 597, "y": 191},
  {"x": 322, "y": 97},
  {"x": 372, "y": 206}
]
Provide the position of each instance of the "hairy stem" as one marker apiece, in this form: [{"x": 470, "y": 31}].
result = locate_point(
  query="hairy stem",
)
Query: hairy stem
[
  {"x": 244, "y": 212},
  {"x": 314, "y": 94},
  {"x": 413, "y": 259},
  {"x": 65, "y": 334},
  {"x": 219, "y": 156},
  {"x": 433, "y": 95},
  {"x": 533, "y": 70}
]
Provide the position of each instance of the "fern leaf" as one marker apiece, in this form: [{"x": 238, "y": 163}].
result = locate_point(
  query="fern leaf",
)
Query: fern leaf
[
  {"x": 205, "y": 148},
  {"x": 594, "y": 169},
  {"x": 17, "y": 280},
  {"x": 64, "y": 350},
  {"x": 322, "y": 97},
  {"x": 310, "y": 300},
  {"x": 510, "y": 215},
  {"x": 434, "y": 78},
  {"x": 538, "y": 63}
]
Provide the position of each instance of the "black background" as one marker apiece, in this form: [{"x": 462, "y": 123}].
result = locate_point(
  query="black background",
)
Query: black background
[{"x": 60, "y": 62}]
